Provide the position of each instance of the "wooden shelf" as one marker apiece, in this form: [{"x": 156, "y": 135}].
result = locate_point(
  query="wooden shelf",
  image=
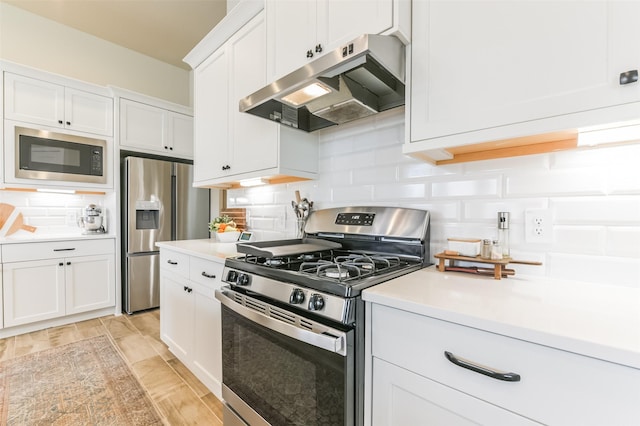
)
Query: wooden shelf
[{"x": 499, "y": 265}]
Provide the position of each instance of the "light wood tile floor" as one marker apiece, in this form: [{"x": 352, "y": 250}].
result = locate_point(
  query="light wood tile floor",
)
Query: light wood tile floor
[{"x": 180, "y": 397}]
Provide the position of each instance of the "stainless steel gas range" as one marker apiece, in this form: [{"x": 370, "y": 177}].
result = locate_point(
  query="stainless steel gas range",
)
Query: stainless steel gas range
[{"x": 293, "y": 319}]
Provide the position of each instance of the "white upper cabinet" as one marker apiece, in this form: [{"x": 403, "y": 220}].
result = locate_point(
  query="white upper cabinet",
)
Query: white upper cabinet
[
  {"x": 155, "y": 130},
  {"x": 37, "y": 101},
  {"x": 229, "y": 145},
  {"x": 211, "y": 117},
  {"x": 255, "y": 143},
  {"x": 302, "y": 30},
  {"x": 489, "y": 70}
]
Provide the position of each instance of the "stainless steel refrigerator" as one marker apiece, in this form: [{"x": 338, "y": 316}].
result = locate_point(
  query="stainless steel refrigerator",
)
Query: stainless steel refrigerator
[{"x": 159, "y": 204}]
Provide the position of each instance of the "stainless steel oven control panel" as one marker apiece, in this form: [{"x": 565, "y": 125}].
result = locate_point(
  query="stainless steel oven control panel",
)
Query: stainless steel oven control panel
[{"x": 326, "y": 305}]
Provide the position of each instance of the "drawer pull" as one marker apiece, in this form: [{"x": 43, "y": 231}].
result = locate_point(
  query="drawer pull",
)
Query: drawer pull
[
  {"x": 204, "y": 274},
  {"x": 65, "y": 249},
  {"x": 172, "y": 262},
  {"x": 494, "y": 374}
]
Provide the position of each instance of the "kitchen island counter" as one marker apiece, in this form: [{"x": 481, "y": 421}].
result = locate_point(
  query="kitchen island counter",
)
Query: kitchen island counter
[
  {"x": 204, "y": 248},
  {"x": 600, "y": 321}
]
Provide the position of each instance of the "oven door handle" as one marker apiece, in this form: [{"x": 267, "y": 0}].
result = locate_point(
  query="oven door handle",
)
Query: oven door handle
[{"x": 330, "y": 340}]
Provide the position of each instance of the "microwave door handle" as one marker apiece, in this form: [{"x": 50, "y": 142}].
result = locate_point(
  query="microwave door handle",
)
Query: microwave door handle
[{"x": 333, "y": 342}]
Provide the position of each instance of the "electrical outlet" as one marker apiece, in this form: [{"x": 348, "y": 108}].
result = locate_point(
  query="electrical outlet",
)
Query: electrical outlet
[
  {"x": 538, "y": 226},
  {"x": 71, "y": 218}
]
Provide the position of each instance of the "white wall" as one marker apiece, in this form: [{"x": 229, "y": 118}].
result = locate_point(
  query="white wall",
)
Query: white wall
[
  {"x": 30, "y": 40},
  {"x": 593, "y": 196}
]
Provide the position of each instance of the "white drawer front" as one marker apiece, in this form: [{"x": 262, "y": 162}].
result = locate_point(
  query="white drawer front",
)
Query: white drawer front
[
  {"x": 175, "y": 262},
  {"x": 556, "y": 387},
  {"x": 205, "y": 272},
  {"x": 56, "y": 249}
]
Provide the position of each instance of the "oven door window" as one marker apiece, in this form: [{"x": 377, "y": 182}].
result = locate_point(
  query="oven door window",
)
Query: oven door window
[{"x": 286, "y": 381}]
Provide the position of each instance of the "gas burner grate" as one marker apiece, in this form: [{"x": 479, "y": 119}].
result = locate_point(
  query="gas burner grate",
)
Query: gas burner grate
[
  {"x": 289, "y": 262},
  {"x": 349, "y": 267}
]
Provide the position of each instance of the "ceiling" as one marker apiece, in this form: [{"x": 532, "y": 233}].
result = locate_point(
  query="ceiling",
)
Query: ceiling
[{"x": 163, "y": 29}]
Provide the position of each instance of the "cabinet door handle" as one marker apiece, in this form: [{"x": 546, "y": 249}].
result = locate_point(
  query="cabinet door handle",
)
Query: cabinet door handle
[
  {"x": 68, "y": 263},
  {"x": 68, "y": 123},
  {"x": 65, "y": 249},
  {"x": 204, "y": 274},
  {"x": 318, "y": 48},
  {"x": 628, "y": 77},
  {"x": 60, "y": 121},
  {"x": 187, "y": 289},
  {"x": 172, "y": 262},
  {"x": 61, "y": 264},
  {"x": 494, "y": 374},
  {"x": 309, "y": 53}
]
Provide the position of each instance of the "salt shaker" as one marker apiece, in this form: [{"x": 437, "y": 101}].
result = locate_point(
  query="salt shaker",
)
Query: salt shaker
[
  {"x": 485, "y": 252},
  {"x": 496, "y": 250}
]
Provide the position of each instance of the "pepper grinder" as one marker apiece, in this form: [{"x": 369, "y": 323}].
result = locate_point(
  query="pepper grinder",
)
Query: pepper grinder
[{"x": 503, "y": 233}]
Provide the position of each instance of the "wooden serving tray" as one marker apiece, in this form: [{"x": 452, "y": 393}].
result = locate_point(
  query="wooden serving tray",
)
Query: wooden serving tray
[{"x": 499, "y": 265}]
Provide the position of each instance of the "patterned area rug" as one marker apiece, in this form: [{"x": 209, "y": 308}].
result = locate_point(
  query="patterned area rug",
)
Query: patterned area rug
[{"x": 82, "y": 383}]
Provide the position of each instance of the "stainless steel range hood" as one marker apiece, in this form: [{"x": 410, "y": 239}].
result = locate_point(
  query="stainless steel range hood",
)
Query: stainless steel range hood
[{"x": 361, "y": 78}]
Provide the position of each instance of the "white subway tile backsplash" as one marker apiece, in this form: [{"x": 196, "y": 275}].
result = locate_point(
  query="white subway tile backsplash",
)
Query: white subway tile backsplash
[
  {"x": 416, "y": 170},
  {"x": 353, "y": 161},
  {"x": 391, "y": 192},
  {"x": 623, "y": 241},
  {"x": 265, "y": 224},
  {"x": 391, "y": 155},
  {"x": 382, "y": 175},
  {"x": 335, "y": 147},
  {"x": 580, "y": 239},
  {"x": 41, "y": 221},
  {"x": 267, "y": 211},
  {"x": 593, "y": 196},
  {"x": 339, "y": 177},
  {"x": 51, "y": 213},
  {"x": 480, "y": 187},
  {"x": 555, "y": 182},
  {"x": 352, "y": 194},
  {"x": 625, "y": 179},
  {"x": 597, "y": 210}
]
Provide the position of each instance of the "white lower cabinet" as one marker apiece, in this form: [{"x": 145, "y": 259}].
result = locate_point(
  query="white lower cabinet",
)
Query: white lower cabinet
[
  {"x": 176, "y": 315},
  {"x": 33, "y": 291},
  {"x": 190, "y": 315},
  {"x": 413, "y": 382},
  {"x": 401, "y": 397},
  {"x": 43, "y": 281}
]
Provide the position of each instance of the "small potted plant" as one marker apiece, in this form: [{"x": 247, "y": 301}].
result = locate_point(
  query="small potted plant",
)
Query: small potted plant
[{"x": 224, "y": 229}]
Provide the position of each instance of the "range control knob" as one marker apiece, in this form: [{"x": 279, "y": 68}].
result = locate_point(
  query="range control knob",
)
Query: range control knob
[
  {"x": 316, "y": 302},
  {"x": 243, "y": 279},
  {"x": 296, "y": 297},
  {"x": 232, "y": 276}
]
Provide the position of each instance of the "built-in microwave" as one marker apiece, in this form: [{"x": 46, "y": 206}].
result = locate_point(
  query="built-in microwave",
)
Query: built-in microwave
[{"x": 42, "y": 154}]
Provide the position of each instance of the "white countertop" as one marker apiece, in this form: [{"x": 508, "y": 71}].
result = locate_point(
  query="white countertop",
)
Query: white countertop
[
  {"x": 601, "y": 321},
  {"x": 206, "y": 249},
  {"x": 27, "y": 237}
]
